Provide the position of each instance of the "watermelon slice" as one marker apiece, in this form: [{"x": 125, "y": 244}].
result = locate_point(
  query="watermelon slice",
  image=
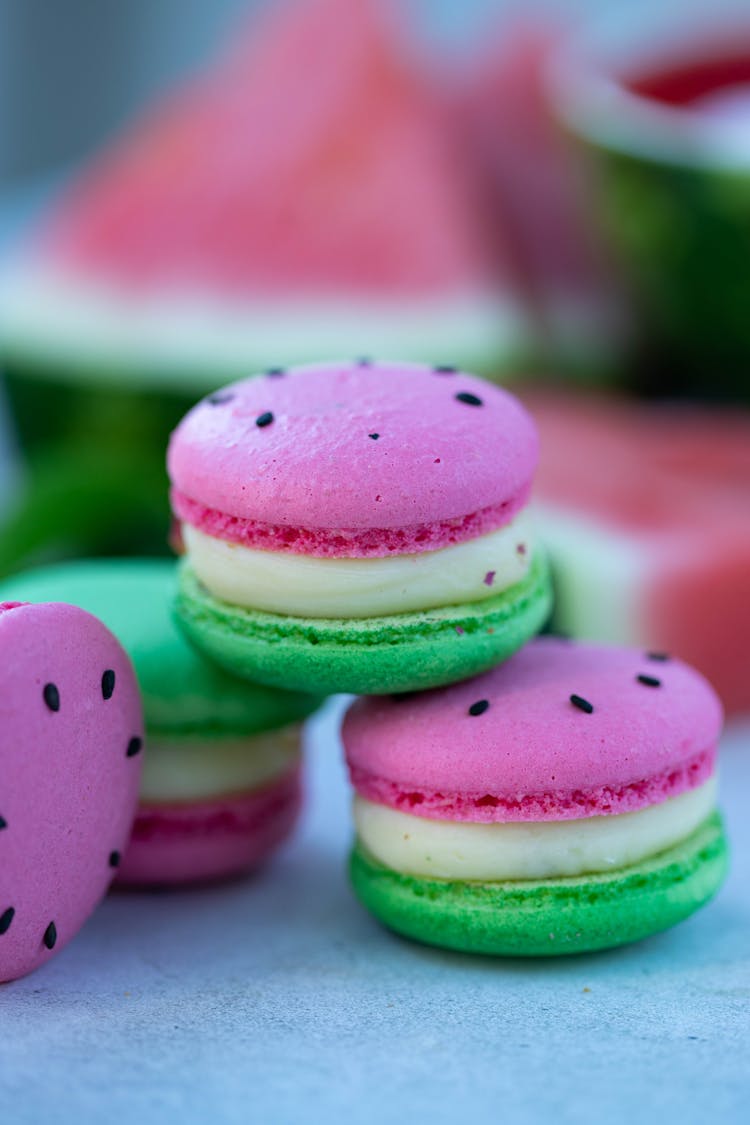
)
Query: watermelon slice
[
  {"x": 537, "y": 190},
  {"x": 305, "y": 197},
  {"x": 646, "y": 514}
]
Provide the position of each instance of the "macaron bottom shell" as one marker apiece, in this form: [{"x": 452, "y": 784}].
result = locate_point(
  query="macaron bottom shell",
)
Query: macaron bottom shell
[
  {"x": 548, "y": 917},
  {"x": 197, "y": 841},
  {"x": 377, "y": 655}
]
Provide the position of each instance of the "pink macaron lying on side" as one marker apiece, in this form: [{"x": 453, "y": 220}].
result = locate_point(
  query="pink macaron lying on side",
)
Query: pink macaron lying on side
[
  {"x": 562, "y": 802},
  {"x": 358, "y": 526},
  {"x": 70, "y": 764}
]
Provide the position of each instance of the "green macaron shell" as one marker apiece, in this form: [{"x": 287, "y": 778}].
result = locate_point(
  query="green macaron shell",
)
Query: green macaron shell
[
  {"x": 182, "y": 692},
  {"x": 548, "y": 917},
  {"x": 374, "y": 655}
]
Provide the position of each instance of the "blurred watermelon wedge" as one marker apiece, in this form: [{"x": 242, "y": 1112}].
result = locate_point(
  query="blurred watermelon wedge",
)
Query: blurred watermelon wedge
[
  {"x": 538, "y": 189},
  {"x": 306, "y": 196}
]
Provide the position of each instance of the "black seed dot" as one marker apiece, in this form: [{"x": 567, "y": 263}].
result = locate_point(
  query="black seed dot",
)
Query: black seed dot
[
  {"x": 469, "y": 399},
  {"x": 445, "y": 369},
  {"x": 3, "y": 823},
  {"x": 50, "y": 936},
  {"x": 220, "y": 398},
  {"x": 582, "y": 704},
  {"x": 275, "y": 372},
  {"x": 51, "y": 697},
  {"x": 264, "y": 419},
  {"x": 649, "y": 681},
  {"x": 364, "y": 361},
  {"x": 374, "y": 436},
  {"x": 5, "y": 920},
  {"x": 479, "y": 707},
  {"x": 114, "y": 859},
  {"x": 134, "y": 747},
  {"x": 108, "y": 683},
  {"x": 660, "y": 657}
]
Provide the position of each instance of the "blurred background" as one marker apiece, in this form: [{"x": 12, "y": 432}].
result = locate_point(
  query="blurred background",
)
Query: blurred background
[{"x": 554, "y": 194}]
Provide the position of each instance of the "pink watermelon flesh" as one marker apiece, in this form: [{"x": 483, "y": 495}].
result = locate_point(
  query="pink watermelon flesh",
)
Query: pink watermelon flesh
[
  {"x": 535, "y": 182},
  {"x": 315, "y": 156},
  {"x": 70, "y": 766},
  {"x": 676, "y": 482}
]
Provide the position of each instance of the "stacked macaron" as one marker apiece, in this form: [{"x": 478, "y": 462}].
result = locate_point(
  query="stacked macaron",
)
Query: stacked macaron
[
  {"x": 358, "y": 526},
  {"x": 563, "y": 802},
  {"x": 221, "y": 779}
]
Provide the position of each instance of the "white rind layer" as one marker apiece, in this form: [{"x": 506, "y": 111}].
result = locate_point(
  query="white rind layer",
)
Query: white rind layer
[
  {"x": 183, "y": 768},
  {"x": 546, "y": 849},
  {"x": 599, "y": 576},
  {"x": 306, "y": 586},
  {"x": 192, "y": 340}
]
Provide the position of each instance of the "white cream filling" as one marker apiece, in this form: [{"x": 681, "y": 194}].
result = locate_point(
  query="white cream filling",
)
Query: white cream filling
[
  {"x": 546, "y": 849},
  {"x": 183, "y": 768},
  {"x": 177, "y": 336},
  {"x": 307, "y": 586}
]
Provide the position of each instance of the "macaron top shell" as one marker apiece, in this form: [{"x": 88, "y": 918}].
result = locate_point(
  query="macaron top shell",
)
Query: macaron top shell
[
  {"x": 70, "y": 764},
  {"x": 356, "y": 446},
  {"x": 182, "y": 692},
  {"x": 510, "y": 744}
]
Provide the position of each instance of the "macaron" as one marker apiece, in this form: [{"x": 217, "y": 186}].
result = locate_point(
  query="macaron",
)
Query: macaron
[
  {"x": 358, "y": 527},
  {"x": 221, "y": 785},
  {"x": 70, "y": 763},
  {"x": 563, "y": 802}
]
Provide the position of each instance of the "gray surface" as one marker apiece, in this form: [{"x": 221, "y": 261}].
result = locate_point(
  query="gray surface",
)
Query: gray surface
[{"x": 279, "y": 1000}]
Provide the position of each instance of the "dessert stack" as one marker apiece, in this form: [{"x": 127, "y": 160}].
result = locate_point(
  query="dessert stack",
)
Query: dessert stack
[{"x": 362, "y": 526}]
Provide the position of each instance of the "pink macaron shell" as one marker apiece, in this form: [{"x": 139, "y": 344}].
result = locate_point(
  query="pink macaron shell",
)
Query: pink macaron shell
[
  {"x": 70, "y": 766},
  {"x": 435, "y": 461},
  {"x": 195, "y": 841},
  {"x": 532, "y": 754}
]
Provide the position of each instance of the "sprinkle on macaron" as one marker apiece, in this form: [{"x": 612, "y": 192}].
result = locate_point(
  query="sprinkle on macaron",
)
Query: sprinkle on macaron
[
  {"x": 264, "y": 419},
  {"x": 51, "y": 697},
  {"x": 582, "y": 704},
  {"x": 479, "y": 707},
  {"x": 648, "y": 681},
  {"x": 469, "y": 399}
]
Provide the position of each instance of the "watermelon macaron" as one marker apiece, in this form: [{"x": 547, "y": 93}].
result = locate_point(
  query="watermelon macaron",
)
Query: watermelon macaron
[
  {"x": 70, "y": 764},
  {"x": 561, "y": 803},
  {"x": 358, "y": 526},
  {"x": 221, "y": 786}
]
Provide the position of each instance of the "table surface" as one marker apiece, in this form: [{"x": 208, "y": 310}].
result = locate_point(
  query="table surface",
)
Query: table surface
[{"x": 278, "y": 999}]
